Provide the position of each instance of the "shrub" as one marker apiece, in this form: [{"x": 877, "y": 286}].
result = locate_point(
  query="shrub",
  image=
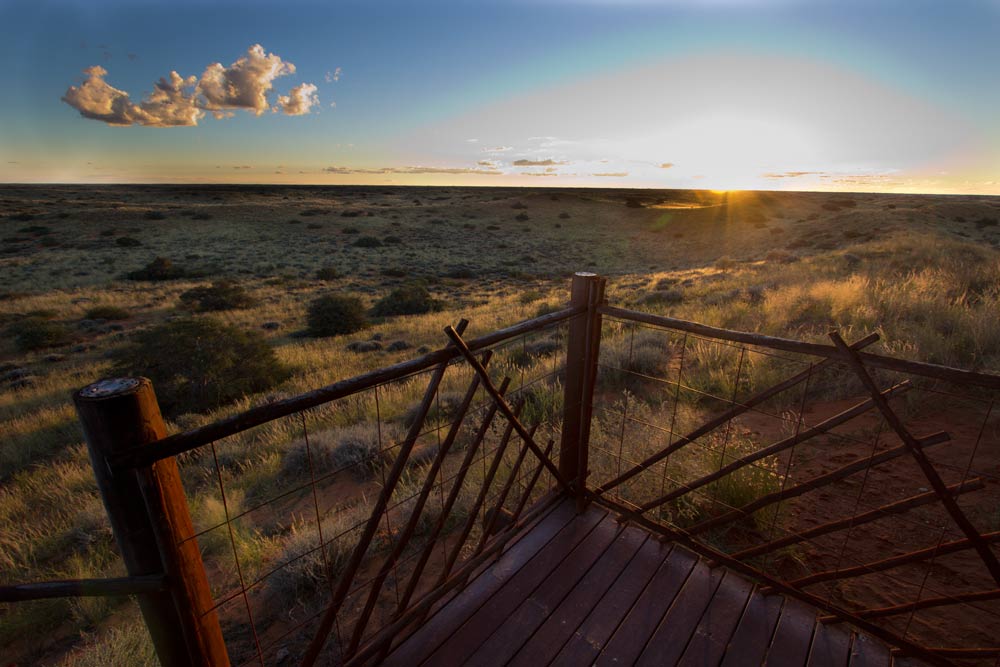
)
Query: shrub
[
  {"x": 564, "y": 215},
  {"x": 37, "y": 333},
  {"x": 392, "y": 240},
  {"x": 367, "y": 242},
  {"x": 127, "y": 242},
  {"x": 160, "y": 268},
  {"x": 220, "y": 295},
  {"x": 521, "y": 217},
  {"x": 107, "y": 313},
  {"x": 155, "y": 215},
  {"x": 327, "y": 273},
  {"x": 407, "y": 300},
  {"x": 197, "y": 365},
  {"x": 333, "y": 314}
]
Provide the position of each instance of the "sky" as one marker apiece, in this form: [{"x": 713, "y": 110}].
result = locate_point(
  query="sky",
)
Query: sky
[{"x": 893, "y": 96}]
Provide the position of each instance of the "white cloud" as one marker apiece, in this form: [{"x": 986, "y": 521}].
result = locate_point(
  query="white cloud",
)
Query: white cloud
[
  {"x": 612, "y": 174},
  {"x": 536, "y": 163},
  {"x": 244, "y": 84},
  {"x": 330, "y": 77},
  {"x": 498, "y": 149},
  {"x": 169, "y": 105},
  {"x": 299, "y": 101},
  {"x": 489, "y": 171},
  {"x": 178, "y": 101}
]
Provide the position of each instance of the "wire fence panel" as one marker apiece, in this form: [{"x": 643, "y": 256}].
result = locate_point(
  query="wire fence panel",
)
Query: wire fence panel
[
  {"x": 869, "y": 491},
  {"x": 422, "y": 470}
]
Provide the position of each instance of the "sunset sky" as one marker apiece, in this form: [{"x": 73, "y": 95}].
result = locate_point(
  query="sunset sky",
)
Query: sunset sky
[{"x": 721, "y": 94}]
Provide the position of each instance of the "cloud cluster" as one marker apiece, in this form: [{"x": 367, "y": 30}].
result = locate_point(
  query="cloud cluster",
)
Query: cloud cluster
[
  {"x": 793, "y": 174},
  {"x": 491, "y": 171},
  {"x": 536, "y": 163},
  {"x": 299, "y": 101},
  {"x": 612, "y": 174},
  {"x": 177, "y": 101}
]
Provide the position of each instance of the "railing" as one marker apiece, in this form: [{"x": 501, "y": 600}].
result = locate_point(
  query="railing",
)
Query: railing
[
  {"x": 331, "y": 523},
  {"x": 819, "y": 470}
]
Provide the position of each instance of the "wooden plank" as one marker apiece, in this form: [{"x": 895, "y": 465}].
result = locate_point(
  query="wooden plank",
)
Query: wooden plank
[
  {"x": 831, "y": 646},
  {"x": 749, "y": 643},
  {"x": 793, "y": 636},
  {"x": 718, "y": 623},
  {"x": 450, "y": 617},
  {"x": 629, "y": 639},
  {"x": 522, "y": 623},
  {"x": 588, "y": 639},
  {"x": 671, "y": 636},
  {"x": 458, "y": 645},
  {"x": 869, "y": 652},
  {"x": 548, "y": 640}
]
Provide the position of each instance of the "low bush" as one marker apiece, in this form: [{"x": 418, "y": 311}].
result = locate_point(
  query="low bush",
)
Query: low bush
[
  {"x": 159, "y": 269},
  {"x": 220, "y": 295},
  {"x": 367, "y": 242},
  {"x": 197, "y": 365},
  {"x": 327, "y": 273},
  {"x": 410, "y": 299},
  {"x": 107, "y": 313},
  {"x": 38, "y": 333},
  {"x": 127, "y": 242},
  {"x": 334, "y": 314}
]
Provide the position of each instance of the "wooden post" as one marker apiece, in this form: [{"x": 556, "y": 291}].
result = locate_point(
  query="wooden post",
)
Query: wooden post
[
  {"x": 150, "y": 520},
  {"x": 582, "y": 350}
]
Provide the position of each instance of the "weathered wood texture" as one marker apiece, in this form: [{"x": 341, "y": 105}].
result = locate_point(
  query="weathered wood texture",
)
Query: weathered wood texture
[
  {"x": 582, "y": 589},
  {"x": 150, "y": 519}
]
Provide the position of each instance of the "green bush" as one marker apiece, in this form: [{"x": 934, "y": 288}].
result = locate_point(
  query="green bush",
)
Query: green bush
[
  {"x": 367, "y": 242},
  {"x": 333, "y": 314},
  {"x": 107, "y": 313},
  {"x": 327, "y": 273},
  {"x": 37, "y": 333},
  {"x": 220, "y": 295},
  {"x": 406, "y": 300},
  {"x": 160, "y": 268},
  {"x": 197, "y": 365}
]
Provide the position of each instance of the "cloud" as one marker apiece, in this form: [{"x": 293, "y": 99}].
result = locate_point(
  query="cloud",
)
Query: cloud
[
  {"x": 612, "y": 174},
  {"x": 245, "y": 83},
  {"x": 178, "y": 101},
  {"x": 539, "y": 173},
  {"x": 794, "y": 174},
  {"x": 299, "y": 100},
  {"x": 498, "y": 149},
  {"x": 169, "y": 105},
  {"x": 667, "y": 165},
  {"x": 536, "y": 163},
  {"x": 414, "y": 170},
  {"x": 330, "y": 77},
  {"x": 487, "y": 163}
]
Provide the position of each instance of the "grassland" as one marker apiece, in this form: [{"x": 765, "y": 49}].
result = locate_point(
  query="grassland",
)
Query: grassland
[{"x": 923, "y": 271}]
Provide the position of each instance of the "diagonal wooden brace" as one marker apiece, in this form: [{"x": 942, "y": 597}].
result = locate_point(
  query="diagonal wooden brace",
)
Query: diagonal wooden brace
[
  {"x": 505, "y": 408},
  {"x": 949, "y": 502}
]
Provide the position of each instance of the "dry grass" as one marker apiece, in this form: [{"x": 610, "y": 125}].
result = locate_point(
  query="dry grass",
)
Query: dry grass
[{"x": 781, "y": 264}]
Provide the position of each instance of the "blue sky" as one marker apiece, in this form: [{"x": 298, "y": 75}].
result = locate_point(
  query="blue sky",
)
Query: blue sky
[{"x": 722, "y": 94}]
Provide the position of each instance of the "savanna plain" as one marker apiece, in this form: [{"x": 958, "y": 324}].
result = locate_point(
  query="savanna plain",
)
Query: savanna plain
[{"x": 293, "y": 288}]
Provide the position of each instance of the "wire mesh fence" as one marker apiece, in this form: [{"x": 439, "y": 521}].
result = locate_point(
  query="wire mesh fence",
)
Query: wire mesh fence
[
  {"x": 872, "y": 492},
  {"x": 422, "y": 471}
]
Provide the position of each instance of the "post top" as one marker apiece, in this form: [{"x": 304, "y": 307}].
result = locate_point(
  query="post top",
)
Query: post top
[
  {"x": 585, "y": 274},
  {"x": 109, "y": 387}
]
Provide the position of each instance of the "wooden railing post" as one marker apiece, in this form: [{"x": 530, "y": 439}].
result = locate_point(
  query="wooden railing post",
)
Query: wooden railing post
[
  {"x": 150, "y": 520},
  {"x": 582, "y": 351}
]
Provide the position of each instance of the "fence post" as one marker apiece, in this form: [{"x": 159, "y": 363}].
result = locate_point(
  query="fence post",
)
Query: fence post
[
  {"x": 150, "y": 520},
  {"x": 582, "y": 350}
]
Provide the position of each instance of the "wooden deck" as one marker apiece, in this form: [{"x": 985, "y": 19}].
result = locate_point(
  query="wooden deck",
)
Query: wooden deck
[{"x": 579, "y": 590}]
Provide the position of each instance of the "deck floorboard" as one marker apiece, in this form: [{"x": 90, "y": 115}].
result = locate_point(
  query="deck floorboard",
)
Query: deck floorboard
[{"x": 583, "y": 589}]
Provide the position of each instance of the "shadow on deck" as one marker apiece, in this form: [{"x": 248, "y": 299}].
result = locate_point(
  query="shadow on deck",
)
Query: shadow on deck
[{"x": 587, "y": 589}]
